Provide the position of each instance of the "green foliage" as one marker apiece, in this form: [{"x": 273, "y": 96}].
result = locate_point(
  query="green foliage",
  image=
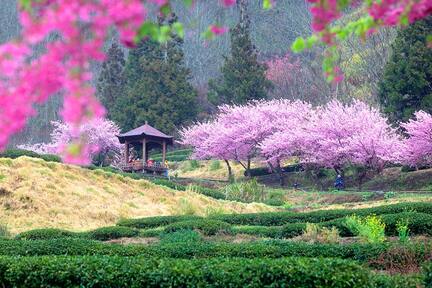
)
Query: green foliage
[
  {"x": 215, "y": 165},
  {"x": 152, "y": 222},
  {"x": 316, "y": 234},
  {"x": 4, "y": 231},
  {"x": 403, "y": 230},
  {"x": 45, "y": 234},
  {"x": 15, "y": 153},
  {"x": 214, "y": 193},
  {"x": 205, "y": 226},
  {"x": 243, "y": 76},
  {"x": 173, "y": 156},
  {"x": 114, "y": 232},
  {"x": 111, "y": 271},
  {"x": 281, "y": 218},
  {"x": 248, "y": 191},
  {"x": 182, "y": 236},
  {"x": 370, "y": 229},
  {"x": 111, "y": 81},
  {"x": 428, "y": 275},
  {"x": 406, "y": 85},
  {"x": 185, "y": 207},
  {"x": 261, "y": 171},
  {"x": 157, "y": 88}
]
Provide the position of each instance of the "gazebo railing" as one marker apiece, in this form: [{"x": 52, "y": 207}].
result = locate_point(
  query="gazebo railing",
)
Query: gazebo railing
[{"x": 138, "y": 165}]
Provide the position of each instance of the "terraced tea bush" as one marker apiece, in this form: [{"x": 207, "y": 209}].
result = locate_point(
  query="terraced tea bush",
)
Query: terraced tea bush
[
  {"x": 138, "y": 272},
  {"x": 182, "y": 236},
  {"x": 281, "y": 218},
  {"x": 158, "y": 221},
  {"x": 15, "y": 153},
  {"x": 114, "y": 232},
  {"x": 370, "y": 229},
  {"x": 48, "y": 233},
  {"x": 207, "y": 227}
]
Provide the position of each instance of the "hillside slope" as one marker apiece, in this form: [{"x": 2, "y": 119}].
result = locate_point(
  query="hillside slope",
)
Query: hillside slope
[{"x": 36, "y": 194}]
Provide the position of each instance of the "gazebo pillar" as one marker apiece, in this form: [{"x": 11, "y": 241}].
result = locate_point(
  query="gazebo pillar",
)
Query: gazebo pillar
[
  {"x": 144, "y": 151},
  {"x": 126, "y": 152},
  {"x": 163, "y": 152}
]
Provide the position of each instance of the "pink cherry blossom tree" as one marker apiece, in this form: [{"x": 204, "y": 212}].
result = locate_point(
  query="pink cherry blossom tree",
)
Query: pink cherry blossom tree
[
  {"x": 99, "y": 135},
  {"x": 418, "y": 145},
  {"x": 81, "y": 27}
]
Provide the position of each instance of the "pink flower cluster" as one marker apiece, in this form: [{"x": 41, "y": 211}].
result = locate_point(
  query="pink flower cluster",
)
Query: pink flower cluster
[
  {"x": 418, "y": 146},
  {"x": 334, "y": 135},
  {"x": 77, "y": 31},
  {"x": 391, "y": 12},
  {"x": 98, "y": 135}
]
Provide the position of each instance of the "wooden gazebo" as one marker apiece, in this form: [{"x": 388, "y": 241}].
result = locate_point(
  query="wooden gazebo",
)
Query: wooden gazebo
[{"x": 148, "y": 138}]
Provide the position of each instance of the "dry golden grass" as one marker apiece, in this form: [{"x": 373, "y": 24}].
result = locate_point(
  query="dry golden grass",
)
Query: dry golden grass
[{"x": 39, "y": 194}]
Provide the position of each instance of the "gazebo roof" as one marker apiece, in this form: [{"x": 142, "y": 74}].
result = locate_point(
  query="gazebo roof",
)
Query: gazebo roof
[{"x": 144, "y": 131}]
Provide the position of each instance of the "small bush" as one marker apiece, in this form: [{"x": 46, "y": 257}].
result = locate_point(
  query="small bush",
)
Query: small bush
[
  {"x": 185, "y": 207},
  {"x": 370, "y": 229},
  {"x": 215, "y": 165},
  {"x": 46, "y": 234},
  {"x": 153, "y": 222},
  {"x": 207, "y": 227},
  {"x": 315, "y": 234},
  {"x": 402, "y": 259},
  {"x": 182, "y": 236},
  {"x": 4, "y": 231},
  {"x": 249, "y": 191},
  {"x": 403, "y": 230},
  {"x": 114, "y": 232}
]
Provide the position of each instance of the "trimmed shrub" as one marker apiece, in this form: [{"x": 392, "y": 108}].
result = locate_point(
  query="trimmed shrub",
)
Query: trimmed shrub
[
  {"x": 205, "y": 226},
  {"x": 281, "y": 218},
  {"x": 271, "y": 249},
  {"x": 46, "y": 234},
  {"x": 261, "y": 231},
  {"x": 182, "y": 236},
  {"x": 15, "y": 153},
  {"x": 114, "y": 232},
  {"x": 105, "y": 271},
  {"x": 158, "y": 221}
]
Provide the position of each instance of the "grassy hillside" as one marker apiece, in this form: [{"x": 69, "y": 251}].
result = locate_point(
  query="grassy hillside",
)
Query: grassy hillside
[{"x": 35, "y": 194}]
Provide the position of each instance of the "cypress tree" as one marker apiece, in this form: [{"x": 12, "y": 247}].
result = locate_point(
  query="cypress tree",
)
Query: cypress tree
[
  {"x": 243, "y": 76},
  {"x": 407, "y": 83},
  {"x": 111, "y": 81},
  {"x": 158, "y": 86}
]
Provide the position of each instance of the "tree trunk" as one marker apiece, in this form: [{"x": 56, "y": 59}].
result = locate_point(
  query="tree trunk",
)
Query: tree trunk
[
  {"x": 230, "y": 174},
  {"x": 248, "y": 172}
]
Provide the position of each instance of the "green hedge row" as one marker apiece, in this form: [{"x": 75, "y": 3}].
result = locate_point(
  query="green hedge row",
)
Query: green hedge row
[
  {"x": 15, "y": 153},
  {"x": 206, "y": 226},
  {"x": 111, "y": 271},
  {"x": 281, "y": 218},
  {"x": 419, "y": 224},
  {"x": 261, "y": 171},
  {"x": 200, "y": 249},
  {"x": 101, "y": 234}
]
